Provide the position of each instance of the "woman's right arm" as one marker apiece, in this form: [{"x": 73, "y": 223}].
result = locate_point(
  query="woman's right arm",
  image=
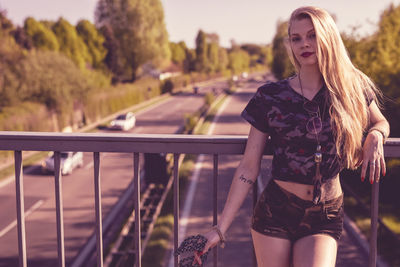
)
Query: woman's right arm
[{"x": 243, "y": 179}]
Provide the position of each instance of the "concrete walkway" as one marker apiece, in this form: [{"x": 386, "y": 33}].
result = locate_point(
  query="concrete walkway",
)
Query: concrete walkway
[{"x": 238, "y": 250}]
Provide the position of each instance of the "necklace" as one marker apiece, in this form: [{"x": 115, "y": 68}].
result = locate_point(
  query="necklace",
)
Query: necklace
[{"x": 317, "y": 155}]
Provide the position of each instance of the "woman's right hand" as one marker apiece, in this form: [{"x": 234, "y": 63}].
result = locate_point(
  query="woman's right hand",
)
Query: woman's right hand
[{"x": 212, "y": 240}]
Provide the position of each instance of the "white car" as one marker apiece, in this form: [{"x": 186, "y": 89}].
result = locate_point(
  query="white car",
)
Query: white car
[
  {"x": 124, "y": 122},
  {"x": 68, "y": 162}
]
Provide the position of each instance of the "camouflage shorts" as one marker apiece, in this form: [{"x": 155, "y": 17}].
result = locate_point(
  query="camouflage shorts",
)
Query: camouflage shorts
[{"x": 279, "y": 213}]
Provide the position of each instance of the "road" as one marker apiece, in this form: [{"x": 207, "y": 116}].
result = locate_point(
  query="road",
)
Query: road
[{"x": 78, "y": 195}]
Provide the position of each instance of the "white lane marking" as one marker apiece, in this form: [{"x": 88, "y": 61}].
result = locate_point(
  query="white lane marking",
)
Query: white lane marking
[
  {"x": 14, "y": 223},
  {"x": 184, "y": 219}
]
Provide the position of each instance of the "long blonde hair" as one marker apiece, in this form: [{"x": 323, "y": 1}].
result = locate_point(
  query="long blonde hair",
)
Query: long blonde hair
[{"x": 347, "y": 86}]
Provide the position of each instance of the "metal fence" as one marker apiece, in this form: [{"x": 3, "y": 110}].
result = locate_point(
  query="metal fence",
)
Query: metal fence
[{"x": 133, "y": 143}]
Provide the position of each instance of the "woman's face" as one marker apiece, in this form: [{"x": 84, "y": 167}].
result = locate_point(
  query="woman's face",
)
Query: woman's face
[{"x": 303, "y": 41}]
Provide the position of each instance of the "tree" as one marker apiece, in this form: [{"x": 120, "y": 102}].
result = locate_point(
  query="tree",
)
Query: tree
[
  {"x": 22, "y": 38},
  {"x": 10, "y": 54},
  {"x": 239, "y": 60},
  {"x": 178, "y": 52},
  {"x": 223, "y": 59},
  {"x": 113, "y": 58},
  {"x": 94, "y": 41},
  {"x": 52, "y": 79},
  {"x": 41, "y": 36},
  {"x": 139, "y": 27},
  {"x": 71, "y": 44},
  {"x": 281, "y": 65},
  {"x": 201, "y": 52}
]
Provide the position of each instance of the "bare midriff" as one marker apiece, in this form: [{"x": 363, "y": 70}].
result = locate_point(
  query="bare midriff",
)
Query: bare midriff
[{"x": 330, "y": 190}]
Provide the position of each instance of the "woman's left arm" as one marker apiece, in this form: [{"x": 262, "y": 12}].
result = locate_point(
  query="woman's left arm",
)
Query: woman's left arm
[{"x": 373, "y": 154}]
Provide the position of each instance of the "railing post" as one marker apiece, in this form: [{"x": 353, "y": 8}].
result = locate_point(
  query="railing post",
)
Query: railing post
[
  {"x": 374, "y": 225},
  {"x": 255, "y": 198},
  {"x": 176, "y": 206},
  {"x": 215, "y": 203},
  {"x": 136, "y": 178},
  {"x": 19, "y": 187},
  {"x": 97, "y": 193},
  {"x": 59, "y": 209}
]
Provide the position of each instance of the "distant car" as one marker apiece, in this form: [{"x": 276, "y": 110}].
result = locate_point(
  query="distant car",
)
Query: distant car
[
  {"x": 123, "y": 122},
  {"x": 68, "y": 162}
]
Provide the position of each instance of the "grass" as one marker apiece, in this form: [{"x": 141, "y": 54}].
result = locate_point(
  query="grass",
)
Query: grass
[
  {"x": 159, "y": 242},
  {"x": 388, "y": 246}
]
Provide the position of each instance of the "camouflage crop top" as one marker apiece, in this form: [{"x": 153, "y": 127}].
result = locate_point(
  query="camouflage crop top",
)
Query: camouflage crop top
[{"x": 277, "y": 109}]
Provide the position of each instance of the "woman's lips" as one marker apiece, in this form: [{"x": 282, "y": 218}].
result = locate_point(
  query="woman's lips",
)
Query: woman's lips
[{"x": 307, "y": 54}]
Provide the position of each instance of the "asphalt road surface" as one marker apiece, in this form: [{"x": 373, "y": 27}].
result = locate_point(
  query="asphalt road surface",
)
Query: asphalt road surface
[{"x": 77, "y": 190}]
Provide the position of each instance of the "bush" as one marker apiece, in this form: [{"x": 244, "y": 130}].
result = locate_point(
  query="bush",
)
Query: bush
[
  {"x": 209, "y": 98},
  {"x": 167, "y": 87}
]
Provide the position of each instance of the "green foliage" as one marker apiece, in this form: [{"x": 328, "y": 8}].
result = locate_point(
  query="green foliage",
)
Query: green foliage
[
  {"x": 113, "y": 59},
  {"x": 42, "y": 37},
  {"x": 108, "y": 100},
  {"x": 10, "y": 55},
  {"x": 5, "y": 24},
  {"x": 189, "y": 64},
  {"x": 213, "y": 57},
  {"x": 94, "y": 41},
  {"x": 281, "y": 65},
  {"x": 223, "y": 60},
  {"x": 178, "y": 52},
  {"x": 26, "y": 116},
  {"x": 71, "y": 44},
  {"x": 201, "y": 63},
  {"x": 259, "y": 55},
  {"x": 190, "y": 121},
  {"x": 139, "y": 27},
  {"x": 377, "y": 56},
  {"x": 239, "y": 61},
  {"x": 209, "y": 98},
  {"x": 51, "y": 78}
]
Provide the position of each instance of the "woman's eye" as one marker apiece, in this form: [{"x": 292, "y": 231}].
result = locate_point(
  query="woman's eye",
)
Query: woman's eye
[
  {"x": 313, "y": 36},
  {"x": 295, "y": 39}
]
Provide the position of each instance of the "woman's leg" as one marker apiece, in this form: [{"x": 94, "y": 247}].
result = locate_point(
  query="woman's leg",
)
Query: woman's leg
[
  {"x": 271, "y": 251},
  {"x": 317, "y": 250}
]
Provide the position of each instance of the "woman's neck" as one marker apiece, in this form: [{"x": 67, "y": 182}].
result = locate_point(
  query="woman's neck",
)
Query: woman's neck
[{"x": 311, "y": 79}]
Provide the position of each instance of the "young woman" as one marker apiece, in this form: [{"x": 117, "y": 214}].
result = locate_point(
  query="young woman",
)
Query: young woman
[{"x": 317, "y": 121}]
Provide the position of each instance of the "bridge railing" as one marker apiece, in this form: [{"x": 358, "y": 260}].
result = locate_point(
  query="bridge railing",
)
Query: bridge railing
[{"x": 133, "y": 143}]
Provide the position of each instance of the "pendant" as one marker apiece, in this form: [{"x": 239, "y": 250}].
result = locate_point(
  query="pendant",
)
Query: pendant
[{"x": 318, "y": 155}]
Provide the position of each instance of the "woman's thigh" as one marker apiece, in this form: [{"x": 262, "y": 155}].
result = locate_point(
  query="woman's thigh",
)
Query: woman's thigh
[
  {"x": 271, "y": 251},
  {"x": 317, "y": 250}
]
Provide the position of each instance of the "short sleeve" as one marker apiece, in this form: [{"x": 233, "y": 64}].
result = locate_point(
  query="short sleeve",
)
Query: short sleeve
[{"x": 256, "y": 111}]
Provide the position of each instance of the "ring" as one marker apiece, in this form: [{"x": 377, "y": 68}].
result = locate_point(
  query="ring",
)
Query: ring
[{"x": 372, "y": 163}]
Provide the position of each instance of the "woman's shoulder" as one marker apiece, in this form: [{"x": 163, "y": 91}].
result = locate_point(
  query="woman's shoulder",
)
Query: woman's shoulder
[{"x": 274, "y": 88}]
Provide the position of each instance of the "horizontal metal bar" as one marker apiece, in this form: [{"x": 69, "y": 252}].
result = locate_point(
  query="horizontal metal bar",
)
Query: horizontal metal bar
[{"x": 144, "y": 143}]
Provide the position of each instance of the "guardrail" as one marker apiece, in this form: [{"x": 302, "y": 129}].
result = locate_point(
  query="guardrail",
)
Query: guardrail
[{"x": 132, "y": 143}]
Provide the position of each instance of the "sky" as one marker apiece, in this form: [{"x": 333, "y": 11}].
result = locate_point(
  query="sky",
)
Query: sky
[{"x": 245, "y": 21}]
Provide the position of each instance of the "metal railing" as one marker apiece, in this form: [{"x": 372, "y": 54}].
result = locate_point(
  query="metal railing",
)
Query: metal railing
[{"x": 132, "y": 143}]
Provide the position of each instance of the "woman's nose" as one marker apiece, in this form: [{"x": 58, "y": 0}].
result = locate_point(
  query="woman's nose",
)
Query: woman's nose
[{"x": 305, "y": 43}]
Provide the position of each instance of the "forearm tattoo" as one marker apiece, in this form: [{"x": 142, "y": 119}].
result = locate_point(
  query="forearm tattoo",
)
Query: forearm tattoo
[{"x": 245, "y": 180}]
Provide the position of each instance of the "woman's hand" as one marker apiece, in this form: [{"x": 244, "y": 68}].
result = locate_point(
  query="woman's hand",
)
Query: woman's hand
[
  {"x": 213, "y": 240},
  {"x": 373, "y": 157}
]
